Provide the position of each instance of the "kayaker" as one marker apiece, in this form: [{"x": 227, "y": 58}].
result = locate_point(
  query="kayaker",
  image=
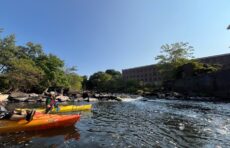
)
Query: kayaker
[
  {"x": 51, "y": 102},
  {"x": 15, "y": 115}
]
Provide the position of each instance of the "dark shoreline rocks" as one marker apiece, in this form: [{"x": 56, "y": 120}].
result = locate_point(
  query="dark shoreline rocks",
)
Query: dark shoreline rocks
[
  {"x": 212, "y": 84},
  {"x": 169, "y": 95},
  {"x": 106, "y": 97},
  {"x": 179, "y": 96}
]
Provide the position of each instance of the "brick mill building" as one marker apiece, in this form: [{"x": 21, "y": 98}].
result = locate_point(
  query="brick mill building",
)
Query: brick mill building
[{"x": 148, "y": 74}]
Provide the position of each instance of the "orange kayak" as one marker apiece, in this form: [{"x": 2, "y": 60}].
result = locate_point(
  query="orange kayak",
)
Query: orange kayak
[{"x": 39, "y": 122}]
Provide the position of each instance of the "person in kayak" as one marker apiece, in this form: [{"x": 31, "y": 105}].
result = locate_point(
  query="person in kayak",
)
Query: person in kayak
[
  {"x": 15, "y": 115},
  {"x": 51, "y": 102}
]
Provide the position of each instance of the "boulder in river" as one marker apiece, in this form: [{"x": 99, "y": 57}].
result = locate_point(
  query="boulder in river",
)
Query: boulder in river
[
  {"x": 18, "y": 96},
  {"x": 4, "y": 97},
  {"x": 88, "y": 100},
  {"x": 41, "y": 99},
  {"x": 33, "y": 95},
  {"x": 63, "y": 98}
]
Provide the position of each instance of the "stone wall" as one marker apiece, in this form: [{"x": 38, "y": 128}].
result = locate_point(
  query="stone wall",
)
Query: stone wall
[{"x": 212, "y": 85}]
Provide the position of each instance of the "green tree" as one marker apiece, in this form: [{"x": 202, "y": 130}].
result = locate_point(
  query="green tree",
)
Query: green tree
[
  {"x": 195, "y": 68},
  {"x": 173, "y": 56},
  {"x": 99, "y": 81},
  {"x": 23, "y": 75},
  {"x": 28, "y": 68},
  {"x": 53, "y": 68},
  {"x": 115, "y": 74},
  {"x": 32, "y": 51},
  {"x": 115, "y": 83},
  {"x": 84, "y": 82},
  {"x": 111, "y": 81},
  {"x": 131, "y": 86},
  {"x": 75, "y": 82},
  {"x": 8, "y": 52}
]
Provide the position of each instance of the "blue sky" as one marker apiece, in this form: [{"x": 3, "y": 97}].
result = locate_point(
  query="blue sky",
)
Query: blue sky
[{"x": 97, "y": 35}]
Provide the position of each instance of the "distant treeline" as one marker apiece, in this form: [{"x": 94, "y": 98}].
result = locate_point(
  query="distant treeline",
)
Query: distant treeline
[
  {"x": 111, "y": 81},
  {"x": 29, "y": 69}
]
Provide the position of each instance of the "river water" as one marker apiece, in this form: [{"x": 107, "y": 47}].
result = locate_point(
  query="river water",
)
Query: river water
[{"x": 136, "y": 123}]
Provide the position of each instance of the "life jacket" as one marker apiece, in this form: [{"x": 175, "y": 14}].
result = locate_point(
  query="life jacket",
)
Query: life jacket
[{"x": 52, "y": 102}]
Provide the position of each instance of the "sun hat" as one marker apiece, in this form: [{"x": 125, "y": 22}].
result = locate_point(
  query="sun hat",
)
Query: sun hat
[{"x": 52, "y": 93}]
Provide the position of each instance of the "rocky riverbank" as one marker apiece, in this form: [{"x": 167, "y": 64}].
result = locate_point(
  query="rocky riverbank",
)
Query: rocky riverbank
[
  {"x": 216, "y": 85},
  {"x": 93, "y": 97},
  {"x": 33, "y": 97},
  {"x": 29, "y": 97}
]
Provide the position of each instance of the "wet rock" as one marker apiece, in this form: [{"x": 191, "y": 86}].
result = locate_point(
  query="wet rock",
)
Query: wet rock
[
  {"x": 88, "y": 100},
  {"x": 41, "y": 99},
  {"x": 171, "y": 98},
  {"x": 33, "y": 95},
  {"x": 177, "y": 95},
  {"x": 181, "y": 126},
  {"x": 106, "y": 97},
  {"x": 4, "y": 97},
  {"x": 161, "y": 95},
  {"x": 18, "y": 96},
  {"x": 62, "y": 98}
]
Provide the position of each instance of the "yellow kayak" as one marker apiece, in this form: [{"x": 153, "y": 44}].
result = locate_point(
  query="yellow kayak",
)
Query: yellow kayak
[{"x": 68, "y": 108}]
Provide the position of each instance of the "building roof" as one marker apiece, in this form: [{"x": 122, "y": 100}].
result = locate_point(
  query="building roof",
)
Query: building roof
[
  {"x": 140, "y": 67},
  {"x": 213, "y": 56}
]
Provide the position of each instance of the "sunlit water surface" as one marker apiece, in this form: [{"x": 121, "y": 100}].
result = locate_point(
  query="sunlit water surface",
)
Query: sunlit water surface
[{"x": 136, "y": 123}]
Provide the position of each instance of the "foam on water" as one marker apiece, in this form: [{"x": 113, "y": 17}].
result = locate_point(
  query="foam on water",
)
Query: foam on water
[{"x": 132, "y": 99}]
